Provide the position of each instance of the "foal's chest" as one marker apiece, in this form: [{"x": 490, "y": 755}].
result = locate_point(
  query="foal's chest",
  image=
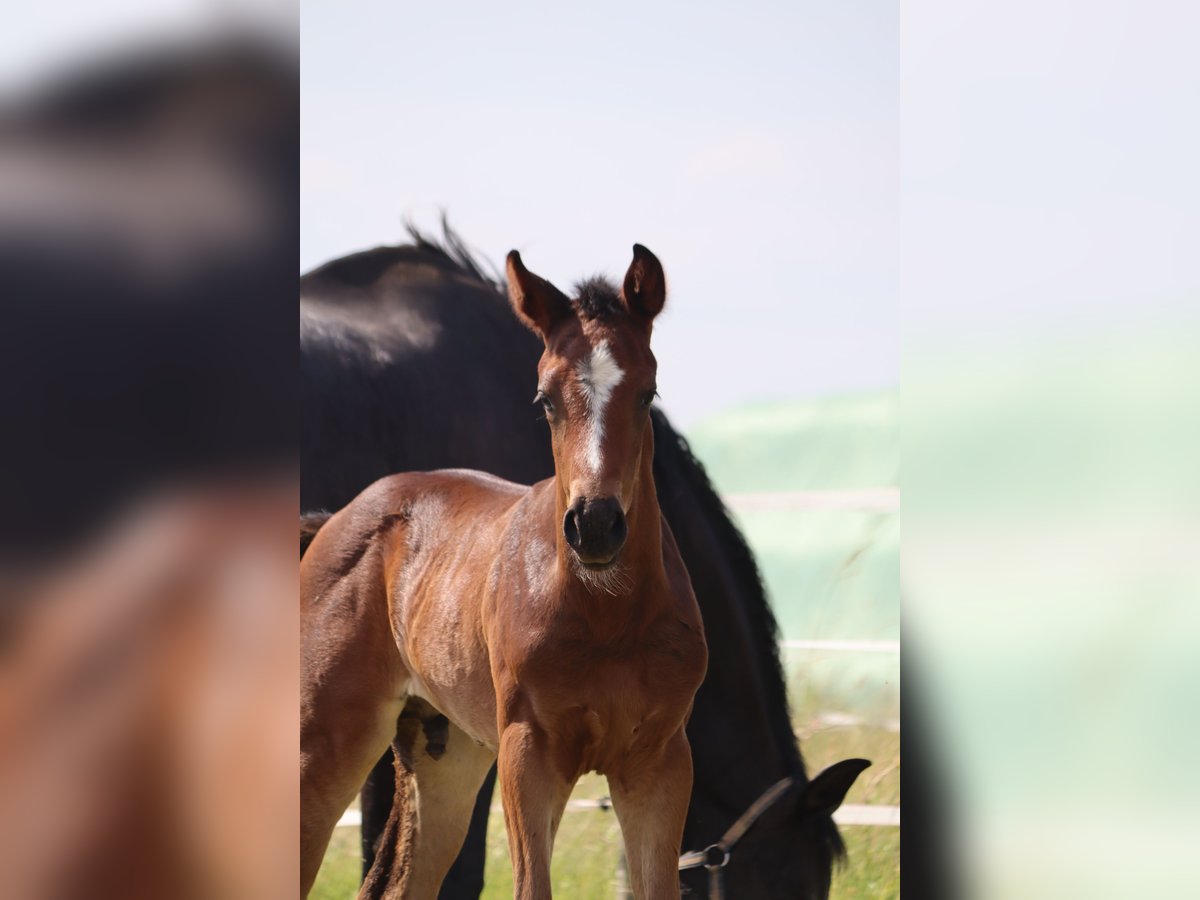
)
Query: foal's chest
[{"x": 608, "y": 703}]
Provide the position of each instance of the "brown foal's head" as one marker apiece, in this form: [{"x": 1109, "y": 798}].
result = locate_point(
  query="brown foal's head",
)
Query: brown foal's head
[{"x": 596, "y": 381}]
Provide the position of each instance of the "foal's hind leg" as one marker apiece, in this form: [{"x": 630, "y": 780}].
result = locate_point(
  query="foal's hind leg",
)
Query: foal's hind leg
[
  {"x": 439, "y": 770},
  {"x": 352, "y": 679},
  {"x": 651, "y": 801}
]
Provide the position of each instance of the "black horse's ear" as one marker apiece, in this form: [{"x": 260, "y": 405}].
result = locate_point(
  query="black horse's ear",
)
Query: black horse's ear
[
  {"x": 645, "y": 288},
  {"x": 826, "y": 792},
  {"x": 537, "y": 303}
]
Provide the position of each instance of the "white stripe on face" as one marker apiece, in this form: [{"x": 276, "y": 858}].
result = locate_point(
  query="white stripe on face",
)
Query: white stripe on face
[{"x": 599, "y": 374}]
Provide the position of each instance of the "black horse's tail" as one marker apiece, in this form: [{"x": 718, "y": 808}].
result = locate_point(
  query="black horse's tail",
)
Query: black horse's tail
[{"x": 310, "y": 524}]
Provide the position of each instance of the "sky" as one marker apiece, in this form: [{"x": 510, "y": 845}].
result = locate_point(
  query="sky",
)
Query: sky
[
  {"x": 753, "y": 148},
  {"x": 1048, "y": 169}
]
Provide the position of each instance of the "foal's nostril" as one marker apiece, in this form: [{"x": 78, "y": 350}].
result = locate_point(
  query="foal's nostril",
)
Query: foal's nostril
[
  {"x": 619, "y": 530},
  {"x": 571, "y": 529},
  {"x": 595, "y": 529}
]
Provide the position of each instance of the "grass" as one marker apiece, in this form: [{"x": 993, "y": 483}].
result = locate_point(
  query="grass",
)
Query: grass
[
  {"x": 872, "y": 868},
  {"x": 339, "y": 875},
  {"x": 587, "y": 850}
]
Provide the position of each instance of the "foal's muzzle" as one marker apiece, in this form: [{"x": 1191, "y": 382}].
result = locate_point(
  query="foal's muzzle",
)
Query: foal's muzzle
[{"x": 595, "y": 530}]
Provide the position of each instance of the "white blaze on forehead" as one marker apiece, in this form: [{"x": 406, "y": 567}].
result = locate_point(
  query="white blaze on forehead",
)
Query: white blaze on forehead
[{"x": 599, "y": 374}]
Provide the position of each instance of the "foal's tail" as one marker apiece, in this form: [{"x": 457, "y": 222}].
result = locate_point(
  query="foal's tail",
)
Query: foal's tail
[{"x": 310, "y": 524}]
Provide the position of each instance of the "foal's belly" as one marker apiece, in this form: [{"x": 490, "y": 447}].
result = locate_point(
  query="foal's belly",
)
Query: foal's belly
[
  {"x": 447, "y": 662},
  {"x": 465, "y": 698}
]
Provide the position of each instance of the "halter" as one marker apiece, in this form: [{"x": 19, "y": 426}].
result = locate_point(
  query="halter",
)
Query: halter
[{"x": 715, "y": 857}]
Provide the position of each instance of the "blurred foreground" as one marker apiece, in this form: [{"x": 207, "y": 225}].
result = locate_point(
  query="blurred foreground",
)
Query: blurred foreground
[
  {"x": 1052, "y": 571},
  {"x": 148, "y": 702}
]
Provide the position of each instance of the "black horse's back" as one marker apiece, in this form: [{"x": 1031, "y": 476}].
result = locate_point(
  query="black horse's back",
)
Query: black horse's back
[{"x": 397, "y": 345}]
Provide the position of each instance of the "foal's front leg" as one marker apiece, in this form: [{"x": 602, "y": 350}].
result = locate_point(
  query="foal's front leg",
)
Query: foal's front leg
[
  {"x": 534, "y": 794},
  {"x": 651, "y": 800}
]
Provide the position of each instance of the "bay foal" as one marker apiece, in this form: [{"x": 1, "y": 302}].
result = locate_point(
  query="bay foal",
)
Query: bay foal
[{"x": 552, "y": 627}]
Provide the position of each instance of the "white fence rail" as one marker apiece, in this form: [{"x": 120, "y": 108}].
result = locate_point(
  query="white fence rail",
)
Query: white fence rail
[
  {"x": 863, "y": 500},
  {"x": 849, "y": 646},
  {"x": 847, "y": 814}
]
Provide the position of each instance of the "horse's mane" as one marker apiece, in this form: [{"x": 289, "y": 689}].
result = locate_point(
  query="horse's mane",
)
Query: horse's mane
[
  {"x": 595, "y": 298},
  {"x": 670, "y": 443},
  {"x": 453, "y": 250},
  {"x": 449, "y": 254}
]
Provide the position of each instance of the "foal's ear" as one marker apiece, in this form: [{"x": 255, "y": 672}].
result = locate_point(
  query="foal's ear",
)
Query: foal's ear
[
  {"x": 537, "y": 302},
  {"x": 826, "y": 792},
  {"x": 645, "y": 289}
]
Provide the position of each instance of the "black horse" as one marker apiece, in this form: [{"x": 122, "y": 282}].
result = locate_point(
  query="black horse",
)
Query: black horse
[{"x": 379, "y": 333}]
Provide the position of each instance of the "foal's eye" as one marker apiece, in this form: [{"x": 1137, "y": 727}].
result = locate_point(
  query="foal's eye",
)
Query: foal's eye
[
  {"x": 648, "y": 398},
  {"x": 545, "y": 402}
]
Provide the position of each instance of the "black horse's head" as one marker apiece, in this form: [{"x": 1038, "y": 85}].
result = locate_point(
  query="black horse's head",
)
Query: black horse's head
[{"x": 787, "y": 850}]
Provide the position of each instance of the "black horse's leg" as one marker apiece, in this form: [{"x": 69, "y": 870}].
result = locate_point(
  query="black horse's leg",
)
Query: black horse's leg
[{"x": 464, "y": 881}]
